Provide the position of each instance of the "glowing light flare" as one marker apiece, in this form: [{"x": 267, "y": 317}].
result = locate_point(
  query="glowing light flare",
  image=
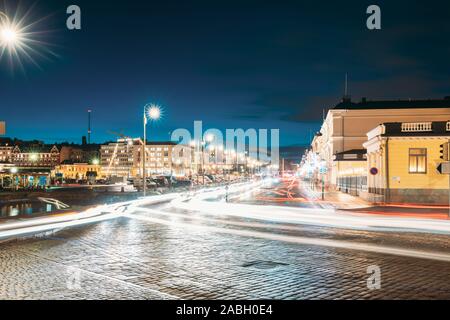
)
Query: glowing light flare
[
  {"x": 21, "y": 40},
  {"x": 9, "y": 35},
  {"x": 153, "y": 112},
  {"x": 209, "y": 137}
]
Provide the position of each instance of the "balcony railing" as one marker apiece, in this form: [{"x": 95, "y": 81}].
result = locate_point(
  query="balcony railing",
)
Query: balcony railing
[{"x": 418, "y": 127}]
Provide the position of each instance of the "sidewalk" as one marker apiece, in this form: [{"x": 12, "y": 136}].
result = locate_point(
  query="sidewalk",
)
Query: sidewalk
[
  {"x": 336, "y": 199},
  {"x": 346, "y": 202},
  {"x": 406, "y": 211}
]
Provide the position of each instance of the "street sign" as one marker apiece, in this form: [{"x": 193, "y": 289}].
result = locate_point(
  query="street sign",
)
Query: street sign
[
  {"x": 373, "y": 171},
  {"x": 444, "y": 168}
]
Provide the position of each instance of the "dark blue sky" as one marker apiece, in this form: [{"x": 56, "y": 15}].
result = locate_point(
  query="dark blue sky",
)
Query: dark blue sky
[{"x": 248, "y": 64}]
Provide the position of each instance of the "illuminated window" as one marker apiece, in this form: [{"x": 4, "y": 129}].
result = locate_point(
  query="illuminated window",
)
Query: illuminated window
[{"x": 417, "y": 160}]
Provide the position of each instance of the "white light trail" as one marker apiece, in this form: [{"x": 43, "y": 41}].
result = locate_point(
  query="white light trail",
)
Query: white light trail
[
  {"x": 199, "y": 203},
  {"x": 92, "y": 215},
  {"x": 316, "y": 217},
  {"x": 300, "y": 240}
]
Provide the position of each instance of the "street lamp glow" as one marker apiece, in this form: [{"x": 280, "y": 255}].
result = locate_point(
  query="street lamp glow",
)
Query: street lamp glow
[
  {"x": 209, "y": 137},
  {"x": 8, "y": 36},
  {"x": 154, "y": 112},
  {"x": 22, "y": 40},
  {"x": 95, "y": 162}
]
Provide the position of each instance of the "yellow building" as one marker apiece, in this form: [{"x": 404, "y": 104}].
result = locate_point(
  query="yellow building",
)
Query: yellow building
[
  {"x": 346, "y": 124},
  {"x": 77, "y": 171},
  {"x": 404, "y": 158},
  {"x": 351, "y": 171}
]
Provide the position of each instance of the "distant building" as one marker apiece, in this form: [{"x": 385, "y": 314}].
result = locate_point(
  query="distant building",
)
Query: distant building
[
  {"x": 2, "y": 128},
  {"x": 36, "y": 156},
  {"x": 28, "y": 164},
  {"x": 118, "y": 158},
  {"x": 123, "y": 158},
  {"x": 79, "y": 153},
  {"x": 5, "y": 153},
  {"x": 77, "y": 171},
  {"x": 405, "y": 157}
]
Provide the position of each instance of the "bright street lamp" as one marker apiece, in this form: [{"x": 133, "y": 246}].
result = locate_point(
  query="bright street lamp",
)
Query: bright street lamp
[
  {"x": 152, "y": 112},
  {"x": 10, "y": 35},
  {"x": 21, "y": 40}
]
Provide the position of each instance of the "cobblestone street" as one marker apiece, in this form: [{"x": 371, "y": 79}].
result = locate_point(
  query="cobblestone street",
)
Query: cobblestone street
[{"x": 133, "y": 259}]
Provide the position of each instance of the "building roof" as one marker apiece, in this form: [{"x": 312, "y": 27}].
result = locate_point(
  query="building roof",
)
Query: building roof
[
  {"x": 347, "y": 104},
  {"x": 161, "y": 143},
  {"x": 351, "y": 155},
  {"x": 37, "y": 148},
  {"x": 433, "y": 129},
  {"x": 353, "y": 151}
]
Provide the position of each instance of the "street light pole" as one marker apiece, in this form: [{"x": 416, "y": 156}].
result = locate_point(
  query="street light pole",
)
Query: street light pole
[
  {"x": 203, "y": 162},
  {"x": 144, "y": 178},
  {"x": 153, "y": 112}
]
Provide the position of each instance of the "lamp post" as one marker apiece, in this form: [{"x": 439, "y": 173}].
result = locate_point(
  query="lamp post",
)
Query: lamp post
[
  {"x": 194, "y": 163},
  {"x": 203, "y": 161},
  {"x": 153, "y": 112},
  {"x": 209, "y": 138}
]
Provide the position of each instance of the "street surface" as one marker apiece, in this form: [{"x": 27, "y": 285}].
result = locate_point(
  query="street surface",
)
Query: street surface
[{"x": 198, "y": 246}]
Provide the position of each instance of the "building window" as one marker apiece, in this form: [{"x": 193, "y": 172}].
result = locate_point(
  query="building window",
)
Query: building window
[{"x": 417, "y": 160}]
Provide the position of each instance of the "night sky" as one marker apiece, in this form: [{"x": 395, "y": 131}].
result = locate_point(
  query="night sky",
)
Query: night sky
[{"x": 247, "y": 64}]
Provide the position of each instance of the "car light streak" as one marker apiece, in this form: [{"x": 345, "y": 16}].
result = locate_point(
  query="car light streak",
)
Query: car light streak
[
  {"x": 317, "y": 217},
  {"x": 300, "y": 240},
  {"x": 59, "y": 225},
  {"x": 92, "y": 215}
]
